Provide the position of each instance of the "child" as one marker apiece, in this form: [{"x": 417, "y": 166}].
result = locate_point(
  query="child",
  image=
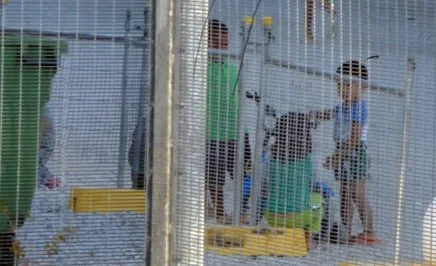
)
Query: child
[
  {"x": 350, "y": 160},
  {"x": 291, "y": 201},
  {"x": 327, "y": 6},
  {"x": 47, "y": 146},
  {"x": 222, "y": 119}
]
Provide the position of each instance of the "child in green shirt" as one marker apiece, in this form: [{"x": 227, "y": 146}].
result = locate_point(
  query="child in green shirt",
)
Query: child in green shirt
[{"x": 222, "y": 116}]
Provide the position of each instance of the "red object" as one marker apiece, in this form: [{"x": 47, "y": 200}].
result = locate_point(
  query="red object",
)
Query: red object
[{"x": 52, "y": 183}]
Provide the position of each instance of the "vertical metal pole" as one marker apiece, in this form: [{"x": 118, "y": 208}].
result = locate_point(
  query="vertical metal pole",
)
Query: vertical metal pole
[
  {"x": 123, "y": 128},
  {"x": 259, "y": 148},
  {"x": 162, "y": 133},
  {"x": 150, "y": 139},
  {"x": 239, "y": 171},
  {"x": 333, "y": 19},
  {"x": 406, "y": 127},
  {"x": 140, "y": 142},
  {"x": 190, "y": 87}
]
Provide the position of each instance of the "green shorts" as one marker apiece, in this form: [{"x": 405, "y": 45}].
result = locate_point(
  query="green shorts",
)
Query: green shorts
[{"x": 355, "y": 166}]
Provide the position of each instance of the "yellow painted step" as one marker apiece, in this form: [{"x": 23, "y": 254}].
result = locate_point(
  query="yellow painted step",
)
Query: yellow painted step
[
  {"x": 356, "y": 263},
  {"x": 250, "y": 241},
  {"x": 107, "y": 200}
]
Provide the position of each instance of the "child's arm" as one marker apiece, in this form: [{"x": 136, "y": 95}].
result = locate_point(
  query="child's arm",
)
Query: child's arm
[
  {"x": 346, "y": 148},
  {"x": 350, "y": 145},
  {"x": 322, "y": 115},
  {"x": 359, "y": 118}
]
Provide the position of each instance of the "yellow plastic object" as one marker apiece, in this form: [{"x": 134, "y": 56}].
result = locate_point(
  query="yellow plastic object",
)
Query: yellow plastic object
[
  {"x": 267, "y": 21},
  {"x": 364, "y": 264},
  {"x": 250, "y": 241},
  {"x": 248, "y": 20},
  {"x": 107, "y": 200},
  {"x": 356, "y": 263}
]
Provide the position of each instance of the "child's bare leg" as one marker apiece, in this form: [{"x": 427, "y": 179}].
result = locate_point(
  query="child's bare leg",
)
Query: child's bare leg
[
  {"x": 311, "y": 243},
  {"x": 217, "y": 194},
  {"x": 361, "y": 200},
  {"x": 327, "y": 5},
  {"x": 363, "y": 206},
  {"x": 309, "y": 18},
  {"x": 346, "y": 192},
  {"x": 209, "y": 208}
]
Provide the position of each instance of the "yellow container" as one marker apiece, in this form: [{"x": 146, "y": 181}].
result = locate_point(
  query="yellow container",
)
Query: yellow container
[
  {"x": 107, "y": 200},
  {"x": 267, "y": 21},
  {"x": 290, "y": 242},
  {"x": 248, "y": 241},
  {"x": 248, "y": 20},
  {"x": 356, "y": 263}
]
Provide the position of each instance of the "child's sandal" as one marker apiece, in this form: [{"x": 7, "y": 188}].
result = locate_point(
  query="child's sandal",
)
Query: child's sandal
[
  {"x": 351, "y": 241},
  {"x": 367, "y": 239}
]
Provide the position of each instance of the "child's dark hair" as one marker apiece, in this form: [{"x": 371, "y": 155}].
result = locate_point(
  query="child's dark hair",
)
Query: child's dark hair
[
  {"x": 215, "y": 24},
  {"x": 353, "y": 68}
]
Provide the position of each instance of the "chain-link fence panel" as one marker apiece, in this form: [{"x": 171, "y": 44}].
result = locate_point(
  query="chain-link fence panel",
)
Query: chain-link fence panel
[
  {"x": 75, "y": 77},
  {"x": 313, "y": 132}
]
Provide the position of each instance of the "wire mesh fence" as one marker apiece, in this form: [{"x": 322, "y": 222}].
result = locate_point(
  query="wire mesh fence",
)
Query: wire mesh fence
[
  {"x": 311, "y": 111},
  {"x": 75, "y": 94}
]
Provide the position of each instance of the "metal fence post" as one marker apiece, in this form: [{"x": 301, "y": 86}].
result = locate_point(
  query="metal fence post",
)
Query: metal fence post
[
  {"x": 190, "y": 84},
  {"x": 259, "y": 148},
  {"x": 239, "y": 169},
  {"x": 162, "y": 121},
  {"x": 408, "y": 87},
  {"x": 123, "y": 128}
]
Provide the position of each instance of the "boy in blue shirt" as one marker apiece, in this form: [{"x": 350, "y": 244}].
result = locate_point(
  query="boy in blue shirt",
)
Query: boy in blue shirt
[{"x": 350, "y": 160}]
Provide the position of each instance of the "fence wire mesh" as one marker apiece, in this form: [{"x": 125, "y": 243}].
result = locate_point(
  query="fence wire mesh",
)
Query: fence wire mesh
[
  {"x": 74, "y": 96},
  {"x": 318, "y": 132}
]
